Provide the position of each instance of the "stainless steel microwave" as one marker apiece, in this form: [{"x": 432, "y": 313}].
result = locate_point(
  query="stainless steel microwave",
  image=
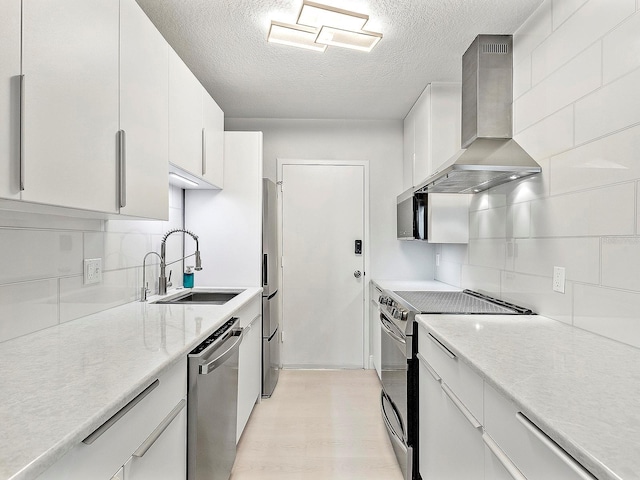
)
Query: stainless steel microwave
[{"x": 412, "y": 216}]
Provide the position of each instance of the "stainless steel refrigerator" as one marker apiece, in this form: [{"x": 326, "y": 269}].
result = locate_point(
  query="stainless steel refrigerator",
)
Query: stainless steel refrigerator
[{"x": 270, "y": 319}]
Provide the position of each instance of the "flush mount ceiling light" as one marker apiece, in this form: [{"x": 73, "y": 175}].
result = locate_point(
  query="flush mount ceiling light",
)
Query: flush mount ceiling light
[
  {"x": 321, "y": 25},
  {"x": 295, "y": 35}
]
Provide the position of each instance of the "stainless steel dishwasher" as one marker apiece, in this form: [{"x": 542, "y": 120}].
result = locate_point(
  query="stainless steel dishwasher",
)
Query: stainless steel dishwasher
[{"x": 212, "y": 400}]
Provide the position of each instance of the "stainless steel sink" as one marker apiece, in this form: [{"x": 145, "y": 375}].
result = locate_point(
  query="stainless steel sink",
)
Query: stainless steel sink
[{"x": 200, "y": 297}]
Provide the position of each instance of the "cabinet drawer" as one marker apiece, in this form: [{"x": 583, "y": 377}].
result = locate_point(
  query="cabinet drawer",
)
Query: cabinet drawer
[
  {"x": 454, "y": 372},
  {"x": 106, "y": 453},
  {"x": 248, "y": 312},
  {"x": 531, "y": 450}
]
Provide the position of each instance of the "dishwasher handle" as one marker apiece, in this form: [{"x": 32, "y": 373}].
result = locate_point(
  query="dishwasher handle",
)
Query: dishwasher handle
[{"x": 211, "y": 365}]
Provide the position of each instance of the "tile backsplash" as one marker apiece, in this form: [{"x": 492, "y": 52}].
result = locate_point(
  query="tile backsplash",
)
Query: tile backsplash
[
  {"x": 42, "y": 265},
  {"x": 577, "y": 112}
]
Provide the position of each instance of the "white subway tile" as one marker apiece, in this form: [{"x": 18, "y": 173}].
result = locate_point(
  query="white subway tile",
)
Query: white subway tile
[
  {"x": 603, "y": 211},
  {"x": 611, "y": 313},
  {"x": 536, "y": 293},
  {"x": 522, "y": 77},
  {"x": 94, "y": 246},
  {"x": 126, "y": 250},
  {"x": 487, "y": 253},
  {"x": 621, "y": 262},
  {"x": 492, "y": 223},
  {"x": 612, "y": 159},
  {"x": 621, "y": 49},
  {"x": 614, "y": 107},
  {"x": 579, "y": 256},
  {"x": 175, "y": 197},
  {"x": 580, "y": 76},
  {"x": 563, "y": 9},
  {"x": 27, "y": 307},
  {"x": 585, "y": 26},
  {"x": 552, "y": 135},
  {"x": 456, "y": 253},
  {"x": 117, "y": 288},
  {"x": 479, "y": 201},
  {"x": 519, "y": 220},
  {"x": 532, "y": 32},
  {"x": 449, "y": 273},
  {"x": 151, "y": 227},
  {"x": 531, "y": 188},
  {"x": 481, "y": 279},
  {"x": 37, "y": 254},
  {"x": 474, "y": 224}
]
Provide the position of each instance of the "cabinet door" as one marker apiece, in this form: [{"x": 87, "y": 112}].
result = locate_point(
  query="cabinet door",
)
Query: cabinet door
[
  {"x": 166, "y": 459},
  {"x": 10, "y": 99},
  {"x": 185, "y": 117},
  {"x": 450, "y": 441},
  {"x": 409, "y": 149},
  {"x": 249, "y": 373},
  {"x": 422, "y": 163},
  {"x": 446, "y": 115},
  {"x": 144, "y": 113},
  {"x": 213, "y": 168},
  {"x": 70, "y": 63}
]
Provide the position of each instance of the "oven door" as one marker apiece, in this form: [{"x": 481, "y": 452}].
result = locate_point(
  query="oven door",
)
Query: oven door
[{"x": 394, "y": 369}]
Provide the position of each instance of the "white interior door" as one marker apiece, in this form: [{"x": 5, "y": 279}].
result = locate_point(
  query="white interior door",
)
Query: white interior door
[{"x": 323, "y": 301}]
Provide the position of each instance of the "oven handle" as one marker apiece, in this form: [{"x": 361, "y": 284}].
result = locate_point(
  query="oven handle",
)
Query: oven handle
[{"x": 391, "y": 333}]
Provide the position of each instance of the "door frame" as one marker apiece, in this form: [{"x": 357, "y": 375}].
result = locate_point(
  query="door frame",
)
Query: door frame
[{"x": 366, "y": 240}]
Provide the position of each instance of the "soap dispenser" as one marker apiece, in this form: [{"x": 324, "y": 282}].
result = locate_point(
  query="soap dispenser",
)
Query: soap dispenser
[{"x": 187, "y": 281}]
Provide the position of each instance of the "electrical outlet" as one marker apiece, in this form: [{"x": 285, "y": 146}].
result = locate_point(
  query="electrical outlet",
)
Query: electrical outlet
[
  {"x": 437, "y": 259},
  {"x": 558, "y": 279},
  {"x": 92, "y": 271}
]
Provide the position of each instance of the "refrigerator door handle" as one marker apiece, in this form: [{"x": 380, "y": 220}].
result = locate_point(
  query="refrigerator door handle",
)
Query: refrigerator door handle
[{"x": 265, "y": 269}]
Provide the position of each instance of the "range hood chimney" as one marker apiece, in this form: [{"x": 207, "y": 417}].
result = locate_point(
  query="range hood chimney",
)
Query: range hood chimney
[{"x": 490, "y": 156}]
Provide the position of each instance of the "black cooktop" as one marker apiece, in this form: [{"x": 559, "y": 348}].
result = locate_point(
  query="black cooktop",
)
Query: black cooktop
[{"x": 465, "y": 302}]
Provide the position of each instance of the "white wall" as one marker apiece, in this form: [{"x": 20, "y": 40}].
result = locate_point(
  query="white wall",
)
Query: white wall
[
  {"x": 380, "y": 143},
  {"x": 42, "y": 263},
  {"x": 577, "y": 112}
]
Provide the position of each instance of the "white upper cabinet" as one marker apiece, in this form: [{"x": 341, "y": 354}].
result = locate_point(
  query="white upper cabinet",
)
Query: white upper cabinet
[
  {"x": 185, "y": 117},
  {"x": 431, "y": 131},
  {"x": 70, "y": 59},
  {"x": 213, "y": 169},
  {"x": 10, "y": 98},
  {"x": 144, "y": 114}
]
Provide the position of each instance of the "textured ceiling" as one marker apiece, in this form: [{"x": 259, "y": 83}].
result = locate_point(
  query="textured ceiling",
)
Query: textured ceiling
[{"x": 224, "y": 44}]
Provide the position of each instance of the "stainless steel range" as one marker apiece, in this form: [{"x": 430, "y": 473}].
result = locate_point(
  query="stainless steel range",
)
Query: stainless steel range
[{"x": 399, "y": 397}]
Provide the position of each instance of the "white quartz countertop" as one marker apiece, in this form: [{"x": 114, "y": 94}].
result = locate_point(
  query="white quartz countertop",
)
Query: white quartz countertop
[
  {"x": 581, "y": 389},
  {"x": 414, "y": 285},
  {"x": 59, "y": 384}
]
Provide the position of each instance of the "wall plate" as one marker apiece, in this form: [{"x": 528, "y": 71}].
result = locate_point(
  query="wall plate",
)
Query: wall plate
[
  {"x": 92, "y": 271},
  {"x": 558, "y": 279}
]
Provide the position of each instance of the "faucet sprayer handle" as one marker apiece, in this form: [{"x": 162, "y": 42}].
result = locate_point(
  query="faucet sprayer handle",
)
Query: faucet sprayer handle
[{"x": 198, "y": 261}]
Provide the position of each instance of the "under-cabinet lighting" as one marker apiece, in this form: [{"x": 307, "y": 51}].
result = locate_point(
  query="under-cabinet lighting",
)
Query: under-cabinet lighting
[
  {"x": 183, "y": 179},
  {"x": 295, "y": 36},
  {"x": 363, "y": 41},
  {"x": 318, "y": 15}
]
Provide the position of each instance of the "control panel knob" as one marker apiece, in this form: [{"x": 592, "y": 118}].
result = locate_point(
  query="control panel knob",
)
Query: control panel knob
[{"x": 404, "y": 315}]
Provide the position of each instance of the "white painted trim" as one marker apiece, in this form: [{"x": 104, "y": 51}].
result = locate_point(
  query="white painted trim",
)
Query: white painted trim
[{"x": 367, "y": 243}]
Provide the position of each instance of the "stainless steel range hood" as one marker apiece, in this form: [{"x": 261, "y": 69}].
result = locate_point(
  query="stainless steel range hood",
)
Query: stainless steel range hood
[{"x": 490, "y": 156}]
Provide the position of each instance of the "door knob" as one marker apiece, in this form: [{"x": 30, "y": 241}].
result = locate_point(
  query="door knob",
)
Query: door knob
[{"x": 357, "y": 274}]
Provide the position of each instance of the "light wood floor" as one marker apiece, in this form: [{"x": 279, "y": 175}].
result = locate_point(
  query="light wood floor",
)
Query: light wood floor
[{"x": 318, "y": 425}]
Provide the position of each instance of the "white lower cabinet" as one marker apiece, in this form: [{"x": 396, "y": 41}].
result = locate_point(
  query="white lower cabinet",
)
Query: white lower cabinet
[
  {"x": 451, "y": 446},
  {"x": 249, "y": 362},
  {"x": 147, "y": 437},
  {"x": 470, "y": 431}
]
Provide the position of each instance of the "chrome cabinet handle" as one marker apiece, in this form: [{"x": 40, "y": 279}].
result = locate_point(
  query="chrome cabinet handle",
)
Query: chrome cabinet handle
[
  {"x": 122, "y": 168},
  {"x": 21, "y": 147},
  {"x": 461, "y": 406},
  {"x": 433, "y": 373},
  {"x": 151, "y": 439},
  {"x": 211, "y": 365},
  {"x": 502, "y": 458},
  {"x": 554, "y": 447},
  {"x": 97, "y": 433},
  {"x": 442, "y": 347},
  {"x": 204, "y": 151}
]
